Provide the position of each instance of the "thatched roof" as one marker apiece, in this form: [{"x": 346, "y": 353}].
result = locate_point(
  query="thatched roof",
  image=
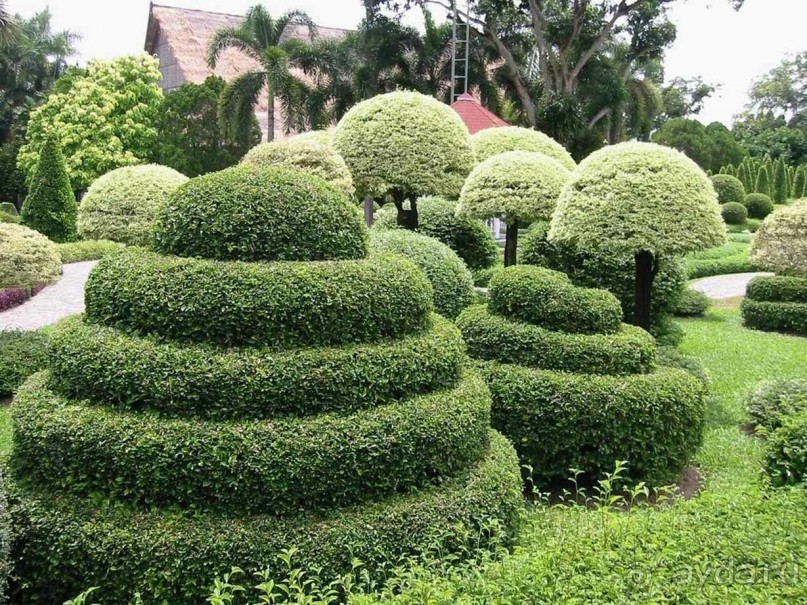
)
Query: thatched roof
[{"x": 179, "y": 37}]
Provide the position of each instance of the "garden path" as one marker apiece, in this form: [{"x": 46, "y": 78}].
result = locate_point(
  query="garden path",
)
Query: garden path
[
  {"x": 65, "y": 297},
  {"x": 725, "y": 286}
]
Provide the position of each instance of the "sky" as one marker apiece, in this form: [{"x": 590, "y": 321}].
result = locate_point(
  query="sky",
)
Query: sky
[{"x": 725, "y": 47}]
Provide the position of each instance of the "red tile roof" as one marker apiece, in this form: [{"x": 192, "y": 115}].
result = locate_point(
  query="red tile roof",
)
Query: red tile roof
[{"x": 475, "y": 116}]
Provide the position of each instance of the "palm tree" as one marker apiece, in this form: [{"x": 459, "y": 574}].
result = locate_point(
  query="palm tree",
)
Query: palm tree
[
  {"x": 260, "y": 37},
  {"x": 6, "y": 23}
]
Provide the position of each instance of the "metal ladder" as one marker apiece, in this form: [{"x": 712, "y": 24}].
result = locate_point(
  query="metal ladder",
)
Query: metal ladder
[{"x": 460, "y": 49}]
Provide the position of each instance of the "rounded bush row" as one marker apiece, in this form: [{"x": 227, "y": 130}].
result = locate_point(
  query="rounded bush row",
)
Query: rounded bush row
[
  {"x": 777, "y": 288},
  {"x": 273, "y": 466},
  {"x": 27, "y": 258},
  {"x": 272, "y": 304},
  {"x": 652, "y": 421},
  {"x": 251, "y": 213},
  {"x": 95, "y": 362},
  {"x": 775, "y": 316},
  {"x": 734, "y": 213},
  {"x": 452, "y": 282},
  {"x": 729, "y": 189},
  {"x": 493, "y": 141},
  {"x": 491, "y": 337},
  {"x": 307, "y": 155},
  {"x": 72, "y": 543},
  {"x": 547, "y": 298},
  {"x": 469, "y": 238},
  {"x": 773, "y": 400},
  {"x": 759, "y": 205},
  {"x": 122, "y": 204}
]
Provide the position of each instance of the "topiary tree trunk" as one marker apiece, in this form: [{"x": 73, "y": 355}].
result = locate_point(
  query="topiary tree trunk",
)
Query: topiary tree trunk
[
  {"x": 646, "y": 270},
  {"x": 407, "y": 218},
  {"x": 511, "y": 244}
]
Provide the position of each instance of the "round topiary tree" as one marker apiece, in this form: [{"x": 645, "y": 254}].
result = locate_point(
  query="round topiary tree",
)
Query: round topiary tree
[
  {"x": 728, "y": 188},
  {"x": 307, "y": 155},
  {"x": 573, "y": 387},
  {"x": 734, "y": 213},
  {"x": 451, "y": 281},
  {"x": 493, "y": 141},
  {"x": 759, "y": 205},
  {"x": 121, "y": 205},
  {"x": 516, "y": 186},
  {"x": 27, "y": 258},
  {"x": 323, "y": 137},
  {"x": 639, "y": 199},
  {"x": 468, "y": 237},
  {"x": 405, "y": 145},
  {"x": 218, "y": 405},
  {"x": 780, "y": 244}
]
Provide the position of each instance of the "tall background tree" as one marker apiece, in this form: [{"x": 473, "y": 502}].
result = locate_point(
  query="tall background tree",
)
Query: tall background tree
[{"x": 260, "y": 36}]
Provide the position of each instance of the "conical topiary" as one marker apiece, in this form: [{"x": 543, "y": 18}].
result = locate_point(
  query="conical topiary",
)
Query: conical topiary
[
  {"x": 573, "y": 387},
  {"x": 255, "y": 383},
  {"x": 763, "y": 184},
  {"x": 50, "y": 207},
  {"x": 799, "y": 183},
  {"x": 780, "y": 187}
]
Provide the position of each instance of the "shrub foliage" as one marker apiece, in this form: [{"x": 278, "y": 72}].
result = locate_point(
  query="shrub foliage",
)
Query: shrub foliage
[
  {"x": 493, "y": 141},
  {"x": 27, "y": 258},
  {"x": 780, "y": 245},
  {"x": 728, "y": 189},
  {"x": 759, "y": 205},
  {"x": 776, "y": 304}
]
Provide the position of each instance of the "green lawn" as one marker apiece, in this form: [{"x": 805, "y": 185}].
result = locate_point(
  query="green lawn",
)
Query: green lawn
[{"x": 733, "y": 543}]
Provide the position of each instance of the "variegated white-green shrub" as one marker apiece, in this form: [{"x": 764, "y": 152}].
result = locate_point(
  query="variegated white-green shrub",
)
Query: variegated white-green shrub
[
  {"x": 306, "y": 154},
  {"x": 122, "y": 204},
  {"x": 405, "y": 145},
  {"x": 27, "y": 258},
  {"x": 323, "y": 137},
  {"x": 641, "y": 199},
  {"x": 780, "y": 245},
  {"x": 518, "y": 187},
  {"x": 493, "y": 141}
]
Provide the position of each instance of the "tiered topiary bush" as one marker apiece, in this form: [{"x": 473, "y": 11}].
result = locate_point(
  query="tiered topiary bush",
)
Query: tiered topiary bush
[
  {"x": 493, "y": 141},
  {"x": 256, "y": 383},
  {"x": 468, "y": 237},
  {"x": 729, "y": 189},
  {"x": 121, "y": 205},
  {"x": 779, "y": 303},
  {"x": 573, "y": 387}
]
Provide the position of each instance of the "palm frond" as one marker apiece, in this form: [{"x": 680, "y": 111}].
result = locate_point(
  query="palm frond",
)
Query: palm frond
[
  {"x": 237, "y": 104},
  {"x": 296, "y": 17},
  {"x": 261, "y": 27},
  {"x": 231, "y": 37}
]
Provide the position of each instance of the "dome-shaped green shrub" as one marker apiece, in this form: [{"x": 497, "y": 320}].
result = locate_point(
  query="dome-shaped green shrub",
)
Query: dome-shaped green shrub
[
  {"x": 252, "y": 213},
  {"x": 759, "y": 205},
  {"x": 306, "y": 155},
  {"x": 27, "y": 258},
  {"x": 734, "y": 213},
  {"x": 493, "y": 141},
  {"x": 468, "y": 237},
  {"x": 8, "y": 208},
  {"x": 780, "y": 245},
  {"x": 451, "y": 280},
  {"x": 122, "y": 204},
  {"x": 323, "y": 137},
  {"x": 641, "y": 200},
  {"x": 692, "y": 303},
  {"x": 406, "y": 145},
  {"x": 728, "y": 188}
]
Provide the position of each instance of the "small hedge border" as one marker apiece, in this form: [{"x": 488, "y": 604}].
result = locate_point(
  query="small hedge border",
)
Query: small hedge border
[
  {"x": 70, "y": 544},
  {"x": 547, "y": 298},
  {"x": 491, "y": 337},
  {"x": 271, "y": 304},
  {"x": 271, "y": 466},
  {"x": 777, "y": 288},
  {"x": 85, "y": 250},
  {"x": 95, "y": 362},
  {"x": 561, "y": 421},
  {"x": 775, "y": 316},
  {"x": 740, "y": 263}
]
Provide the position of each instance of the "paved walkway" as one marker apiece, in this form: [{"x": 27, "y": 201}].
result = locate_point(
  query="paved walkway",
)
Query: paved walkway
[
  {"x": 65, "y": 297},
  {"x": 722, "y": 286}
]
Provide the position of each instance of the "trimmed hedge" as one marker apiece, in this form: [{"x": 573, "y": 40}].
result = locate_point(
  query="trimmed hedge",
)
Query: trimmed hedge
[
  {"x": 729, "y": 189},
  {"x": 734, "y": 213},
  {"x": 122, "y": 204},
  {"x": 786, "y": 452},
  {"x": 759, "y": 205},
  {"x": 692, "y": 303},
  {"x": 773, "y": 400},
  {"x": 89, "y": 361},
  {"x": 72, "y": 543},
  {"x": 780, "y": 245},
  {"x": 739, "y": 263},
  {"x": 77, "y": 252},
  {"x": 493, "y": 141},
  {"x": 27, "y": 258},
  {"x": 670, "y": 357},
  {"x": 272, "y": 466},
  {"x": 494, "y": 338},
  {"x": 777, "y": 288},
  {"x": 562, "y": 421},
  {"x": 437, "y": 218},
  {"x": 272, "y": 304},
  {"x": 452, "y": 282},
  {"x": 775, "y": 316},
  {"x": 547, "y": 298},
  {"x": 251, "y": 213},
  {"x": 21, "y": 354}
]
